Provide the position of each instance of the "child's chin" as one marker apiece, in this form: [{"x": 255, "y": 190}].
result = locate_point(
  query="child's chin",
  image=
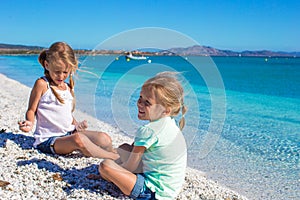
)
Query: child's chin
[{"x": 141, "y": 117}]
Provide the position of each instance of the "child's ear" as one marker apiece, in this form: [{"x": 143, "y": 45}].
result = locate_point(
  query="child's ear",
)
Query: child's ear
[
  {"x": 46, "y": 65},
  {"x": 168, "y": 110}
]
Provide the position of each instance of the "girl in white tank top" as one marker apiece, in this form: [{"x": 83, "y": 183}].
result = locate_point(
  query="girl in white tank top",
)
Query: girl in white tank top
[
  {"x": 52, "y": 103},
  {"x": 53, "y": 117}
]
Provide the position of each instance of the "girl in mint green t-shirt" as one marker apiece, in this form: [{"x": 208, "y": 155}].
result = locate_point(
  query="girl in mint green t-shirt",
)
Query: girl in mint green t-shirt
[{"x": 153, "y": 167}]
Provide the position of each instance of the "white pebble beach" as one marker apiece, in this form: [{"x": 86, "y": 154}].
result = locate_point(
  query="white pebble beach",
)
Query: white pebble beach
[{"x": 25, "y": 173}]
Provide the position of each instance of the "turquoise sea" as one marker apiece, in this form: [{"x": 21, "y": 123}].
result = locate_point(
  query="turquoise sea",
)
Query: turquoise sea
[{"x": 243, "y": 124}]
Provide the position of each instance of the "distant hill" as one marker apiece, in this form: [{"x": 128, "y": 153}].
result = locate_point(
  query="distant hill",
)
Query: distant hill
[
  {"x": 196, "y": 50},
  {"x": 17, "y": 46},
  {"x": 19, "y": 49}
]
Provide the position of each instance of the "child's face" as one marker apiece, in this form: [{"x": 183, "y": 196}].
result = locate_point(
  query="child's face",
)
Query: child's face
[
  {"x": 148, "y": 106},
  {"x": 58, "y": 72}
]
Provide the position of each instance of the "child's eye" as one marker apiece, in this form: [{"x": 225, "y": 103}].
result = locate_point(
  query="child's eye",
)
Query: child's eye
[{"x": 147, "y": 103}]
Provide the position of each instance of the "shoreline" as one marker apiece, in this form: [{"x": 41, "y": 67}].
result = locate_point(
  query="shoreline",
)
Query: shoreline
[
  {"x": 181, "y": 55},
  {"x": 33, "y": 175}
]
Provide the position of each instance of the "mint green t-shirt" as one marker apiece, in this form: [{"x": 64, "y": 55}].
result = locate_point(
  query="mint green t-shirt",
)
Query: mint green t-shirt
[{"x": 164, "y": 161}]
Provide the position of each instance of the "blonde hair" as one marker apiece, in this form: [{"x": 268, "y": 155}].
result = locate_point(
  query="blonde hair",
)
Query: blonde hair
[
  {"x": 63, "y": 52},
  {"x": 169, "y": 93}
]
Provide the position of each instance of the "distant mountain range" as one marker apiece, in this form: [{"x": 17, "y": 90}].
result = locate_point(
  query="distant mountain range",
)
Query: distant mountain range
[
  {"x": 19, "y": 49},
  {"x": 17, "y": 46},
  {"x": 196, "y": 50}
]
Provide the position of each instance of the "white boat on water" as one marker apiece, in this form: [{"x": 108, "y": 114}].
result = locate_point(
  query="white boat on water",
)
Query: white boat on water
[{"x": 132, "y": 57}]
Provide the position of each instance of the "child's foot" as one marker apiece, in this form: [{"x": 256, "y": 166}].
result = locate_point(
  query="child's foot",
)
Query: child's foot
[
  {"x": 114, "y": 150},
  {"x": 115, "y": 156},
  {"x": 81, "y": 126}
]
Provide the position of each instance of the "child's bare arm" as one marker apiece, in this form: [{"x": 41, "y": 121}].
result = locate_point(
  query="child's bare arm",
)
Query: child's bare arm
[
  {"x": 37, "y": 91},
  {"x": 134, "y": 159}
]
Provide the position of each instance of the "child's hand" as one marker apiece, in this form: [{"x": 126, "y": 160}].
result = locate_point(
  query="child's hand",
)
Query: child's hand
[
  {"x": 25, "y": 126},
  {"x": 81, "y": 126}
]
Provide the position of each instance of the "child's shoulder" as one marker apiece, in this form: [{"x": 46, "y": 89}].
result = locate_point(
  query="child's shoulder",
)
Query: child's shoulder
[
  {"x": 145, "y": 131},
  {"x": 41, "y": 83}
]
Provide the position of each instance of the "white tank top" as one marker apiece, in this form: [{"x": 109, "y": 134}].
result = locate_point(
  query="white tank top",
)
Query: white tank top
[{"x": 53, "y": 118}]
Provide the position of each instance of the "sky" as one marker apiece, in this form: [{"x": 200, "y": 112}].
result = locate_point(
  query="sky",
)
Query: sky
[{"x": 228, "y": 25}]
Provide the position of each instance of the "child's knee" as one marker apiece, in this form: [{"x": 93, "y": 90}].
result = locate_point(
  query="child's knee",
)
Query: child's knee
[{"x": 106, "y": 139}]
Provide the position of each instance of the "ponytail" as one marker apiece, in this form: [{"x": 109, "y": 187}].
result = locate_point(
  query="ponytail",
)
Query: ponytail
[
  {"x": 182, "y": 120},
  {"x": 71, "y": 85},
  {"x": 42, "y": 57},
  {"x": 61, "y": 100}
]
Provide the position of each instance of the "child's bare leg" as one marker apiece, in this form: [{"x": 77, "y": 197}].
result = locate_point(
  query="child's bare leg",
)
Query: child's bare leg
[
  {"x": 100, "y": 138},
  {"x": 112, "y": 172},
  {"x": 81, "y": 142}
]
